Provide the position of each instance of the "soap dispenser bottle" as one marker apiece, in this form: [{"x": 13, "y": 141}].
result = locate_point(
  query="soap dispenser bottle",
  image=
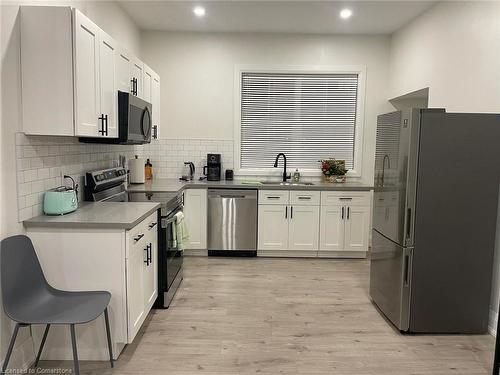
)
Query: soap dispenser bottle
[
  {"x": 296, "y": 175},
  {"x": 148, "y": 170}
]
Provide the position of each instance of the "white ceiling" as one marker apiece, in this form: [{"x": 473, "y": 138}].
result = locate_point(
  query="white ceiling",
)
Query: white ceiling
[{"x": 316, "y": 17}]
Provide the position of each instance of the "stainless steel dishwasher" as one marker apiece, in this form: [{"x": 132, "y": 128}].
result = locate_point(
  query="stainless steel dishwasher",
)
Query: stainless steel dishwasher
[{"x": 232, "y": 222}]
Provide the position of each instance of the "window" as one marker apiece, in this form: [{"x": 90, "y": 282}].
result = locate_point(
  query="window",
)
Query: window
[{"x": 306, "y": 115}]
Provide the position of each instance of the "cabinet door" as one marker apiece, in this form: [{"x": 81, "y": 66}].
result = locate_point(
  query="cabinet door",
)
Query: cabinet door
[
  {"x": 123, "y": 68},
  {"x": 135, "y": 289},
  {"x": 155, "y": 101},
  {"x": 331, "y": 232},
  {"x": 304, "y": 228},
  {"x": 147, "y": 83},
  {"x": 195, "y": 212},
  {"x": 150, "y": 273},
  {"x": 357, "y": 229},
  {"x": 273, "y": 227},
  {"x": 86, "y": 76},
  {"x": 108, "y": 93},
  {"x": 137, "y": 72}
]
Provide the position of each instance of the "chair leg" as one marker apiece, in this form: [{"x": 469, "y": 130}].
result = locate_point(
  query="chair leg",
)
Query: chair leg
[
  {"x": 108, "y": 333},
  {"x": 11, "y": 346},
  {"x": 75, "y": 353},
  {"x": 42, "y": 344}
]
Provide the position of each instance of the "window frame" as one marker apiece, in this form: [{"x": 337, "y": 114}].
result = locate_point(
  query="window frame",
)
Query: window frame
[{"x": 360, "y": 70}]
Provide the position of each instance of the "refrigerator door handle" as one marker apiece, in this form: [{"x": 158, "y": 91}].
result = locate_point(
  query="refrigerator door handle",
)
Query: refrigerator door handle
[
  {"x": 408, "y": 239},
  {"x": 406, "y": 269}
]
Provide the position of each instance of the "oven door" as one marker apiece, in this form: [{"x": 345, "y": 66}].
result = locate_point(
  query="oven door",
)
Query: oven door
[{"x": 173, "y": 257}]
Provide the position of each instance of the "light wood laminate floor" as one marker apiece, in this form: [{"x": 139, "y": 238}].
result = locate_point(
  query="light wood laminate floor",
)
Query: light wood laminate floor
[{"x": 285, "y": 316}]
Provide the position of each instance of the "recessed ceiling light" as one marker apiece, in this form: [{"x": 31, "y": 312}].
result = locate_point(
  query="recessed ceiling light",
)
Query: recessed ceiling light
[
  {"x": 199, "y": 11},
  {"x": 345, "y": 13}
]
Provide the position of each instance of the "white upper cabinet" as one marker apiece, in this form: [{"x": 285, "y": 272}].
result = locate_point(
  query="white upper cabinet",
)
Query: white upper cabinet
[
  {"x": 108, "y": 92},
  {"x": 86, "y": 76},
  {"x": 137, "y": 77},
  {"x": 123, "y": 69},
  {"x": 47, "y": 70},
  {"x": 147, "y": 83},
  {"x": 155, "y": 101},
  {"x": 71, "y": 71}
]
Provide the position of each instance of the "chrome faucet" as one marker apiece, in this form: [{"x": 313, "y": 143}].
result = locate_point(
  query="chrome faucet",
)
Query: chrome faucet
[{"x": 285, "y": 176}]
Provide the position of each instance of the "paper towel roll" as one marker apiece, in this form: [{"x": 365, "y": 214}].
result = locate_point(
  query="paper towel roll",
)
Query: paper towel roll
[{"x": 136, "y": 168}]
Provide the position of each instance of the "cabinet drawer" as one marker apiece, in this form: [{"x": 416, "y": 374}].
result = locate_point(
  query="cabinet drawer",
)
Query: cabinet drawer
[
  {"x": 151, "y": 223},
  {"x": 353, "y": 198},
  {"x": 274, "y": 196},
  {"x": 141, "y": 234},
  {"x": 304, "y": 198}
]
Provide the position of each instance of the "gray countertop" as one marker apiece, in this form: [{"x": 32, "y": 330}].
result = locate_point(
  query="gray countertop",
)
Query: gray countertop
[
  {"x": 102, "y": 215},
  {"x": 167, "y": 185}
]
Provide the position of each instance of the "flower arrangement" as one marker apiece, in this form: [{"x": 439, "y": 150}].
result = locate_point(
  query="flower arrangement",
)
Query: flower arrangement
[{"x": 333, "y": 170}]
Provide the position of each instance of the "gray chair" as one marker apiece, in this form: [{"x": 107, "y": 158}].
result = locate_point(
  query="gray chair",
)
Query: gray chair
[{"x": 29, "y": 299}]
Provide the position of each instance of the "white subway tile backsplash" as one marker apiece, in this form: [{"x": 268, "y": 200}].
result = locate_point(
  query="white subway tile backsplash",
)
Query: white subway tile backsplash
[
  {"x": 43, "y": 160},
  {"x": 168, "y": 156}
]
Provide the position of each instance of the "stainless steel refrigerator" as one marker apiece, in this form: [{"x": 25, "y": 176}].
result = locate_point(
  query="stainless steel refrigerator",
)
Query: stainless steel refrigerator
[{"x": 434, "y": 219}]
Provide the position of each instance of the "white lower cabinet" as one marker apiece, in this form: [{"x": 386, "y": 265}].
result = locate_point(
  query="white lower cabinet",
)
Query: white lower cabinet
[
  {"x": 332, "y": 228},
  {"x": 345, "y": 224},
  {"x": 304, "y": 228},
  {"x": 195, "y": 212},
  {"x": 288, "y": 223},
  {"x": 357, "y": 228},
  {"x": 273, "y": 227},
  {"x": 136, "y": 311},
  {"x": 142, "y": 273},
  {"x": 120, "y": 261}
]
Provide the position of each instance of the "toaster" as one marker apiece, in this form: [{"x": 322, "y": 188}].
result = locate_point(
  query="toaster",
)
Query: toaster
[{"x": 60, "y": 201}]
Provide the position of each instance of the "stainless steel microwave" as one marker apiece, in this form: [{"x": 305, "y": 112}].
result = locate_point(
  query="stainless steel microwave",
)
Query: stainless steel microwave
[
  {"x": 134, "y": 119},
  {"x": 134, "y": 122}
]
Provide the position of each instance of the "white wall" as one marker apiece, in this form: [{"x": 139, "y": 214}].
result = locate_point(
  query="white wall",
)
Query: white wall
[
  {"x": 454, "y": 49},
  {"x": 114, "y": 21},
  {"x": 197, "y": 75}
]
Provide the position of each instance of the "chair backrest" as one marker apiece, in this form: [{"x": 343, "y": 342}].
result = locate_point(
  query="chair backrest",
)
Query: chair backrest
[{"x": 21, "y": 275}]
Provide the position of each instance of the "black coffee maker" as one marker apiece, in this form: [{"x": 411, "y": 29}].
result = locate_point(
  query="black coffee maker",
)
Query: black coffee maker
[{"x": 213, "y": 168}]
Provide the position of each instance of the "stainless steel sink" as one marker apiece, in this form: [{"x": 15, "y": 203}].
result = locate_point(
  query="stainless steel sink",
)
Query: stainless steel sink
[{"x": 287, "y": 183}]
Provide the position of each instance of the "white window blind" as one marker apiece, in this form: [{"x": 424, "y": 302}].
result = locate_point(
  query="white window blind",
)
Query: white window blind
[{"x": 306, "y": 116}]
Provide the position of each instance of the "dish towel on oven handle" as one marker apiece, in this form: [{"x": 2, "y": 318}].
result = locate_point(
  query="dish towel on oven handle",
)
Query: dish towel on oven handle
[{"x": 181, "y": 235}]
